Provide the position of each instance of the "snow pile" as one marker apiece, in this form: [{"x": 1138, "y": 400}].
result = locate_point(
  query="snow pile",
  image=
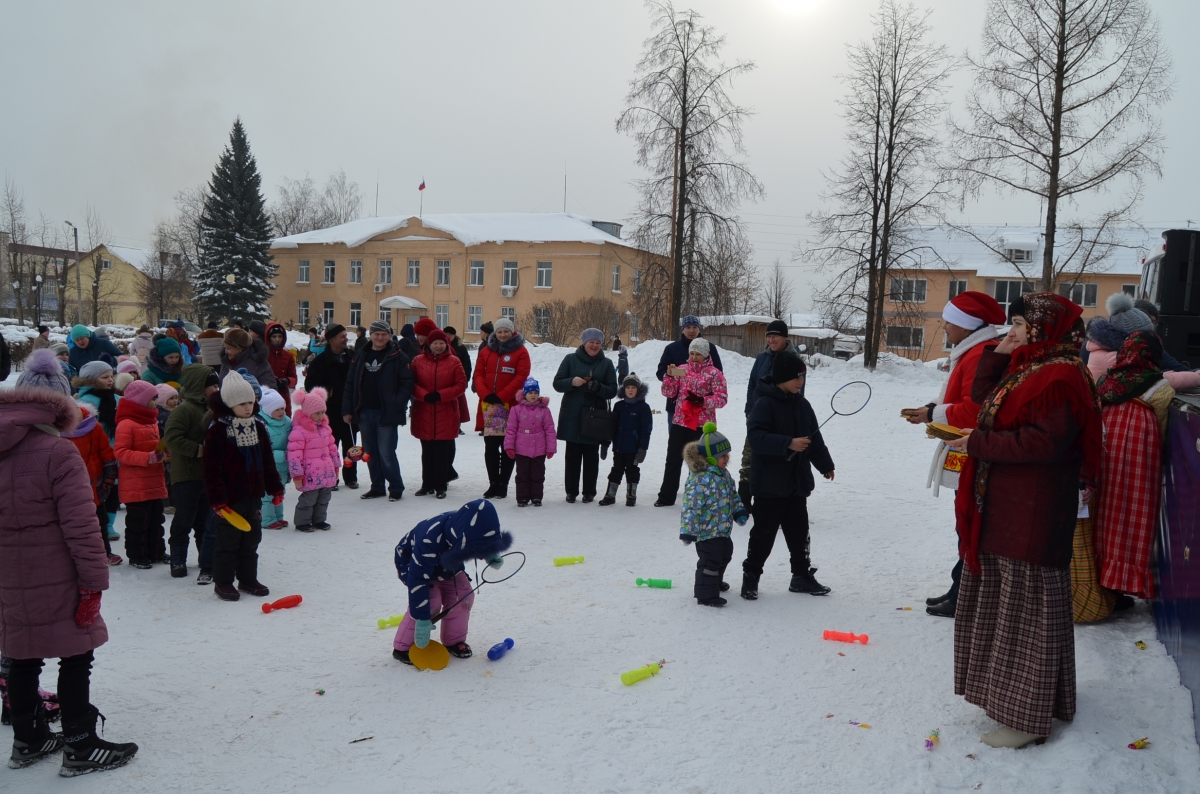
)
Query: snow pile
[{"x": 468, "y": 228}]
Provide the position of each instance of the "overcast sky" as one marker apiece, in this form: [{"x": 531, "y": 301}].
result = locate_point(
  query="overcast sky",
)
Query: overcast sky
[{"x": 120, "y": 105}]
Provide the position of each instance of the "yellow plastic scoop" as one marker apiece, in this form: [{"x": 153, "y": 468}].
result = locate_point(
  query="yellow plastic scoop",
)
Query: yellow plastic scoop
[
  {"x": 235, "y": 519},
  {"x": 433, "y": 656}
]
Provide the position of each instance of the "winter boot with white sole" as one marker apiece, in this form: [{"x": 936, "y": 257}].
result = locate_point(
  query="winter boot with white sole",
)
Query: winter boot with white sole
[
  {"x": 32, "y": 739},
  {"x": 86, "y": 752}
]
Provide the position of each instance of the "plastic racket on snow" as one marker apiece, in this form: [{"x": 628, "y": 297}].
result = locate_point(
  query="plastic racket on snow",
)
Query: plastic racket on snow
[
  {"x": 849, "y": 399},
  {"x": 433, "y": 656},
  {"x": 482, "y": 580},
  {"x": 235, "y": 519}
]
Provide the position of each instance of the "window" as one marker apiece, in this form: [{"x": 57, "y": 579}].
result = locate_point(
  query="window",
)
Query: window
[
  {"x": 355, "y": 274},
  {"x": 1018, "y": 255},
  {"x": 510, "y": 275},
  {"x": 474, "y": 319},
  {"x": 386, "y": 315},
  {"x": 508, "y": 313},
  {"x": 616, "y": 281},
  {"x": 302, "y": 313},
  {"x": 957, "y": 287},
  {"x": 1130, "y": 290},
  {"x": 385, "y": 271},
  {"x": 1082, "y": 294},
  {"x": 541, "y": 321},
  {"x": 905, "y": 337},
  {"x": 907, "y": 290},
  {"x": 637, "y": 282},
  {"x": 545, "y": 273},
  {"x": 443, "y": 272},
  {"x": 327, "y": 313},
  {"x": 330, "y": 268},
  {"x": 414, "y": 272},
  {"x": 633, "y": 320},
  {"x": 355, "y": 315},
  {"x": 1008, "y": 291},
  {"x": 106, "y": 264},
  {"x": 441, "y": 315},
  {"x": 302, "y": 276},
  {"x": 476, "y": 273}
]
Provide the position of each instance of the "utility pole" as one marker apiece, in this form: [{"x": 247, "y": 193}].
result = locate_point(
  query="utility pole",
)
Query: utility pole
[{"x": 78, "y": 277}]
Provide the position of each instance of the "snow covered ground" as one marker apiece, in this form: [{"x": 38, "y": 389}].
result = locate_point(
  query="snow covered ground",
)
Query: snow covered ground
[{"x": 221, "y": 697}]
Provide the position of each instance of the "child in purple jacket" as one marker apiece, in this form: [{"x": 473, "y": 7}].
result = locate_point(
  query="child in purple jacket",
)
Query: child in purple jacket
[{"x": 531, "y": 441}]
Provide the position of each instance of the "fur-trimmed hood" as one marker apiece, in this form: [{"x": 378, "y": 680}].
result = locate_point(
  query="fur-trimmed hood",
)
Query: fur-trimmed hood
[
  {"x": 496, "y": 346},
  {"x": 694, "y": 458},
  {"x": 23, "y": 408},
  {"x": 643, "y": 390}
]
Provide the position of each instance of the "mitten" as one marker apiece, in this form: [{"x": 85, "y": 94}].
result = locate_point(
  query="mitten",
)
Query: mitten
[
  {"x": 741, "y": 516},
  {"x": 89, "y": 608},
  {"x": 604, "y": 452},
  {"x": 220, "y": 508},
  {"x": 433, "y": 397},
  {"x": 155, "y": 457},
  {"x": 512, "y": 453},
  {"x": 694, "y": 399},
  {"x": 640, "y": 456},
  {"x": 496, "y": 561},
  {"x": 277, "y": 500},
  {"x": 421, "y": 633},
  {"x": 549, "y": 454},
  {"x": 592, "y": 385},
  {"x": 688, "y": 539},
  {"x": 493, "y": 398}
]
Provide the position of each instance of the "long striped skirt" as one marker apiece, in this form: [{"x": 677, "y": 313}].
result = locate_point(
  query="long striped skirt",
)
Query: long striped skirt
[
  {"x": 1130, "y": 494},
  {"x": 1014, "y": 643},
  {"x": 1089, "y": 601}
]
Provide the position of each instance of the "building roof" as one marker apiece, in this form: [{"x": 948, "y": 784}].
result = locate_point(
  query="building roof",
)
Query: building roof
[
  {"x": 945, "y": 248},
  {"x": 813, "y": 333},
  {"x": 140, "y": 258},
  {"x": 734, "y": 319},
  {"x": 468, "y": 228}
]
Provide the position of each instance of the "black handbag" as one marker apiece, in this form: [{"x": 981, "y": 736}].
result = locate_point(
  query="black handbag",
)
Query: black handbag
[{"x": 597, "y": 424}]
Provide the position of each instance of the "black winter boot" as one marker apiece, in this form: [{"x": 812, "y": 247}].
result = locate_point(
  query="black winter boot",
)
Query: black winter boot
[
  {"x": 32, "y": 738},
  {"x": 610, "y": 496},
  {"x": 805, "y": 582},
  {"x": 86, "y": 752},
  {"x": 750, "y": 586},
  {"x": 631, "y": 494}
]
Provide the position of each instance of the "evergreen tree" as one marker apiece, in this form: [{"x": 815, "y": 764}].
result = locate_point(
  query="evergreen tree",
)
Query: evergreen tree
[{"x": 234, "y": 280}]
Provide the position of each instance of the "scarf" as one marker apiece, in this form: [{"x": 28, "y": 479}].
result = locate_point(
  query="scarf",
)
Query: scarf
[
  {"x": 1035, "y": 378},
  {"x": 108, "y": 409},
  {"x": 1136, "y": 369},
  {"x": 244, "y": 435}
]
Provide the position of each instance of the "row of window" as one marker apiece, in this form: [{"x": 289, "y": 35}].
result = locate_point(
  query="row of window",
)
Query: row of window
[
  {"x": 913, "y": 290},
  {"x": 545, "y": 274}
]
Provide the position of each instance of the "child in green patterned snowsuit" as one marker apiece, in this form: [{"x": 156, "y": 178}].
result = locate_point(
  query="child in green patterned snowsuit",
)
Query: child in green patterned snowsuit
[{"x": 710, "y": 505}]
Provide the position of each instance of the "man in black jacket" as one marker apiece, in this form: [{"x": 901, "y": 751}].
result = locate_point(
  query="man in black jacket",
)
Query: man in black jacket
[
  {"x": 786, "y": 444},
  {"x": 676, "y": 355},
  {"x": 329, "y": 370},
  {"x": 378, "y": 389},
  {"x": 777, "y": 342}
]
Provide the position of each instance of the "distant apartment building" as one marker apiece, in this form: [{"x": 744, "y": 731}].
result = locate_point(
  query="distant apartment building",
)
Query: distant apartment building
[
  {"x": 1004, "y": 262},
  {"x": 112, "y": 279},
  {"x": 458, "y": 269}
]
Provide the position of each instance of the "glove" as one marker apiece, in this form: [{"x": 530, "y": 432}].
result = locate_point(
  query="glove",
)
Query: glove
[
  {"x": 512, "y": 453},
  {"x": 89, "y": 608},
  {"x": 220, "y": 508},
  {"x": 433, "y": 397},
  {"x": 688, "y": 539},
  {"x": 493, "y": 398},
  {"x": 604, "y": 452},
  {"x": 421, "y": 633},
  {"x": 155, "y": 457},
  {"x": 549, "y": 454},
  {"x": 277, "y": 500},
  {"x": 640, "y": 456},
  {"x": 741, "y": 516},
  {"x": 694, "y": 399},
  {"x": 592, "y": 385},
  {"x": 496, "y": 561}
]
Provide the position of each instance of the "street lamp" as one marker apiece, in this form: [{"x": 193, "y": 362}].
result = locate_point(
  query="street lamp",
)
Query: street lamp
[{"x": 78, "y": 279}]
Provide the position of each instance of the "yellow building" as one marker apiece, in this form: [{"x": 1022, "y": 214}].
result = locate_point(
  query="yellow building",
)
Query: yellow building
[
  {"x": 1003, "y": 262},
  {"x": 459, "y": 269},
  {"x": 118, "y": 271}
]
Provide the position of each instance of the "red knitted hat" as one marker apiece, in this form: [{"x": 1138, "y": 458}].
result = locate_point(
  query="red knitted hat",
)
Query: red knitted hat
[
  {"x": 435, "y": 335},
  {"x": 971, "y": 310},
  {"x": 424, "y": 326}
]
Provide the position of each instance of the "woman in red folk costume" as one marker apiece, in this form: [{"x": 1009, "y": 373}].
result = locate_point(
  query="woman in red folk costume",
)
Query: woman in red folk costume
[{"x": 1038, "y": 440}]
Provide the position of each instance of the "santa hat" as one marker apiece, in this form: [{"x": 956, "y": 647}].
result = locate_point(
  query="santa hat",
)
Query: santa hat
[{"x": 972, "y": 310}]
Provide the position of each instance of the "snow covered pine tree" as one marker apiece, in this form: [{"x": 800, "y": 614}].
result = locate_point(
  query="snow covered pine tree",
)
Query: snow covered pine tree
[{"x": 235, "y": 275}]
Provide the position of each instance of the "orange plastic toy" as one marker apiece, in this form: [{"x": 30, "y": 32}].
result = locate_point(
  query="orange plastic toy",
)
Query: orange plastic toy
[
  {"x": 845, "y": 636},
  {"x": 287, "y": 602}
]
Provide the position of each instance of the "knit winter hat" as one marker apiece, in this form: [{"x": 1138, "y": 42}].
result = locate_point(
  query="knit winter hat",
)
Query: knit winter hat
[
  {"x": 787, "y": 367},
  {"x": 691, "y": 319},
  {"x": 714, "y": 444},
  {"x": 631, "y": 380},
  {"x": 1147, "y": 308},
  {"x": 166, "y": 346},
  {"x": 531, "y": 385},
  {"x": 777, "y": 328},
  {"x": 43, "y": 371},
  {"x": 699, "y": 345},
  {"x": 128, "y": 366},
  {"x": 140, "y": 393},
  {"x": 437, "y": 334},
  {"x": 504, "y": 322},
  {"x": 58, "y": 348},
  {"x": 237, "y": 338},
  {"x": 486, "y": 329},
  {"x": 424, "y": 326},
  {"x": 589, "y": 335},
  {"x": 165, "y": 392},
  {"x": 271, "y": 401},
  {"x": 213, "y": 379},
  {"x": 79, "y": 332},
  {"x": 235, "y": 390},
  {"x": 94, "y": 369},
  {"x": 310, "y": 402},
  {"x": 332, "y": 330},
  {"x": 380, "y": 325},
  {"x": 253, "y": 381},
  {"x": 407, "y": 330},
  {"x": 122, "y": 381},
  {"x": 1124, "y": 317},
  {"x": 258, "y": 327}
]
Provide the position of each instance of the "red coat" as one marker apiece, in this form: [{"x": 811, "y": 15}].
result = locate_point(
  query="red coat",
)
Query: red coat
[
  {"x": 500, "y": 368},
  {"x": 283, "y": 364},
  {"x": 95, "y": 449},
  {"x": 137, "y": 439},
  {"x": 442, "y": 374},
  {"x": 956, "y": 407}
]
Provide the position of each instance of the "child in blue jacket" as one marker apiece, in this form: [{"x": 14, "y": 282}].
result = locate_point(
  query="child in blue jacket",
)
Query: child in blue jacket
[
  {"x": 279, "y": 427},
  {"x": 710, "y": 506},
  {"x": 632, "y": 424}
]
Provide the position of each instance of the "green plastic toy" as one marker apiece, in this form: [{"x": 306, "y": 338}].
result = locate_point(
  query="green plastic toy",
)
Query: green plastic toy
[
  {"x": 394, "y": 620},
  {"x": 561, "y": 561},
  {"x": 665, "y": 584},
  {"x": 633, "y": 676}
]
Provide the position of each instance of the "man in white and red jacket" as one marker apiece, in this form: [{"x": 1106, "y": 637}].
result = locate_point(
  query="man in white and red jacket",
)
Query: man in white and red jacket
[{"x": 970, "y": 320}]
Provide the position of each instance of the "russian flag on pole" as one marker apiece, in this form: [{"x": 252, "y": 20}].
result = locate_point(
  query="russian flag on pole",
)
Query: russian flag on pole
[{"x": 422, "y": 187}]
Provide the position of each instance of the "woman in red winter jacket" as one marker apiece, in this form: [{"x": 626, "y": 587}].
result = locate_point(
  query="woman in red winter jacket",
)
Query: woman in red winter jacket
[
  {"x": 439, "y": 381},
  {"x": 142, "y": 484},
  {"x": 500, "y": 374}
]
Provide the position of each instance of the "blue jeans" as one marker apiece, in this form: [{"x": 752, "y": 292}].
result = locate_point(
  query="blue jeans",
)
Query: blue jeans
[{"x": 379, "y": 441}]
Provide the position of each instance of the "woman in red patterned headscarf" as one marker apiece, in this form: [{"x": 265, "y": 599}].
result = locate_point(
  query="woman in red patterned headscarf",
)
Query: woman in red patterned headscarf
[{"x": 1037, "y": 444}]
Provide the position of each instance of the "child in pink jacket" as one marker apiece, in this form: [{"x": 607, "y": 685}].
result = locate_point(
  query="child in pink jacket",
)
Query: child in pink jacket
[
  {"x": 313, "y": 459},
  {"x": 531, "y": 441},
  {"x": 699, "y": 391}
]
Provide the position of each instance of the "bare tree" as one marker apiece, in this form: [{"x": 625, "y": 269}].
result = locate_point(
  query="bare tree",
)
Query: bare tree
[
  {"x": 546, "y": 323},
  {"x": 102, "y": 288},
  {"x": 166, "y": 290},
  {"x": 341, "y": 202},
  {"x": 16, "y": 230},
  {"x": 777, "y": 291},
  {"x": 301, "y": 208},
  {"x": 889, "y": 181},
  {"x": 560, "y": 323},
  {"x": 688, "y": 132},
  {"x": 1063, "y": 105}
]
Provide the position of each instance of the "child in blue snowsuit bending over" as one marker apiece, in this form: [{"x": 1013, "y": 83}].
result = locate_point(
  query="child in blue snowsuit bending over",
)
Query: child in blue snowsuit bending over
[
  {"x": 710, "y": 505},
  {"x": 430, "y": 559}
]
